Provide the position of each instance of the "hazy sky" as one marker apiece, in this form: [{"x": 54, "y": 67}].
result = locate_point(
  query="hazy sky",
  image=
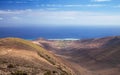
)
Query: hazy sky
[{"x": 60, "y": 12}]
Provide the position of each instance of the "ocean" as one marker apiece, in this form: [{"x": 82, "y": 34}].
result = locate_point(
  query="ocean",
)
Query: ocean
[{"x": 32, "y": 33}]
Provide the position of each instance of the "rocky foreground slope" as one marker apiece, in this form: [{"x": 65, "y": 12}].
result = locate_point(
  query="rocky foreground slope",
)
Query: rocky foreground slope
[
  {"x": 100, "y": 56},
  {"x": 21, "y": 57}
]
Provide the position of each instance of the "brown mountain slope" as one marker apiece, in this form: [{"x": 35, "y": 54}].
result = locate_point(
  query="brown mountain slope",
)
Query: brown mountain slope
[
  {"x": 101, "y": 55},
  {"x": 21, "y": 57}
]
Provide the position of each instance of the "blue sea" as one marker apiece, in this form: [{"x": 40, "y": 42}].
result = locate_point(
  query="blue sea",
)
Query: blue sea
[{"x": 72, "y": 32}]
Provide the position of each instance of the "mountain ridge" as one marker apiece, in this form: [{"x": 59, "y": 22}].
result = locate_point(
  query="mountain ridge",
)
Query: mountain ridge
[{"x": 19, "y": 57}]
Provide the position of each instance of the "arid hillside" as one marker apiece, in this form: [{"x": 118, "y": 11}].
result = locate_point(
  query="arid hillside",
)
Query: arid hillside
[
  {"x": 101, "y": 56},
  {"x": 21, "y": 57}
]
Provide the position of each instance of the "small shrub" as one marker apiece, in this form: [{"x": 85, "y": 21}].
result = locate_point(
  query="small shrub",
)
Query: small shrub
[
  {"x": 48, "y": 73},
  {"x": 54, "y": 71},
  {"x": 10, "y": 66}
]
